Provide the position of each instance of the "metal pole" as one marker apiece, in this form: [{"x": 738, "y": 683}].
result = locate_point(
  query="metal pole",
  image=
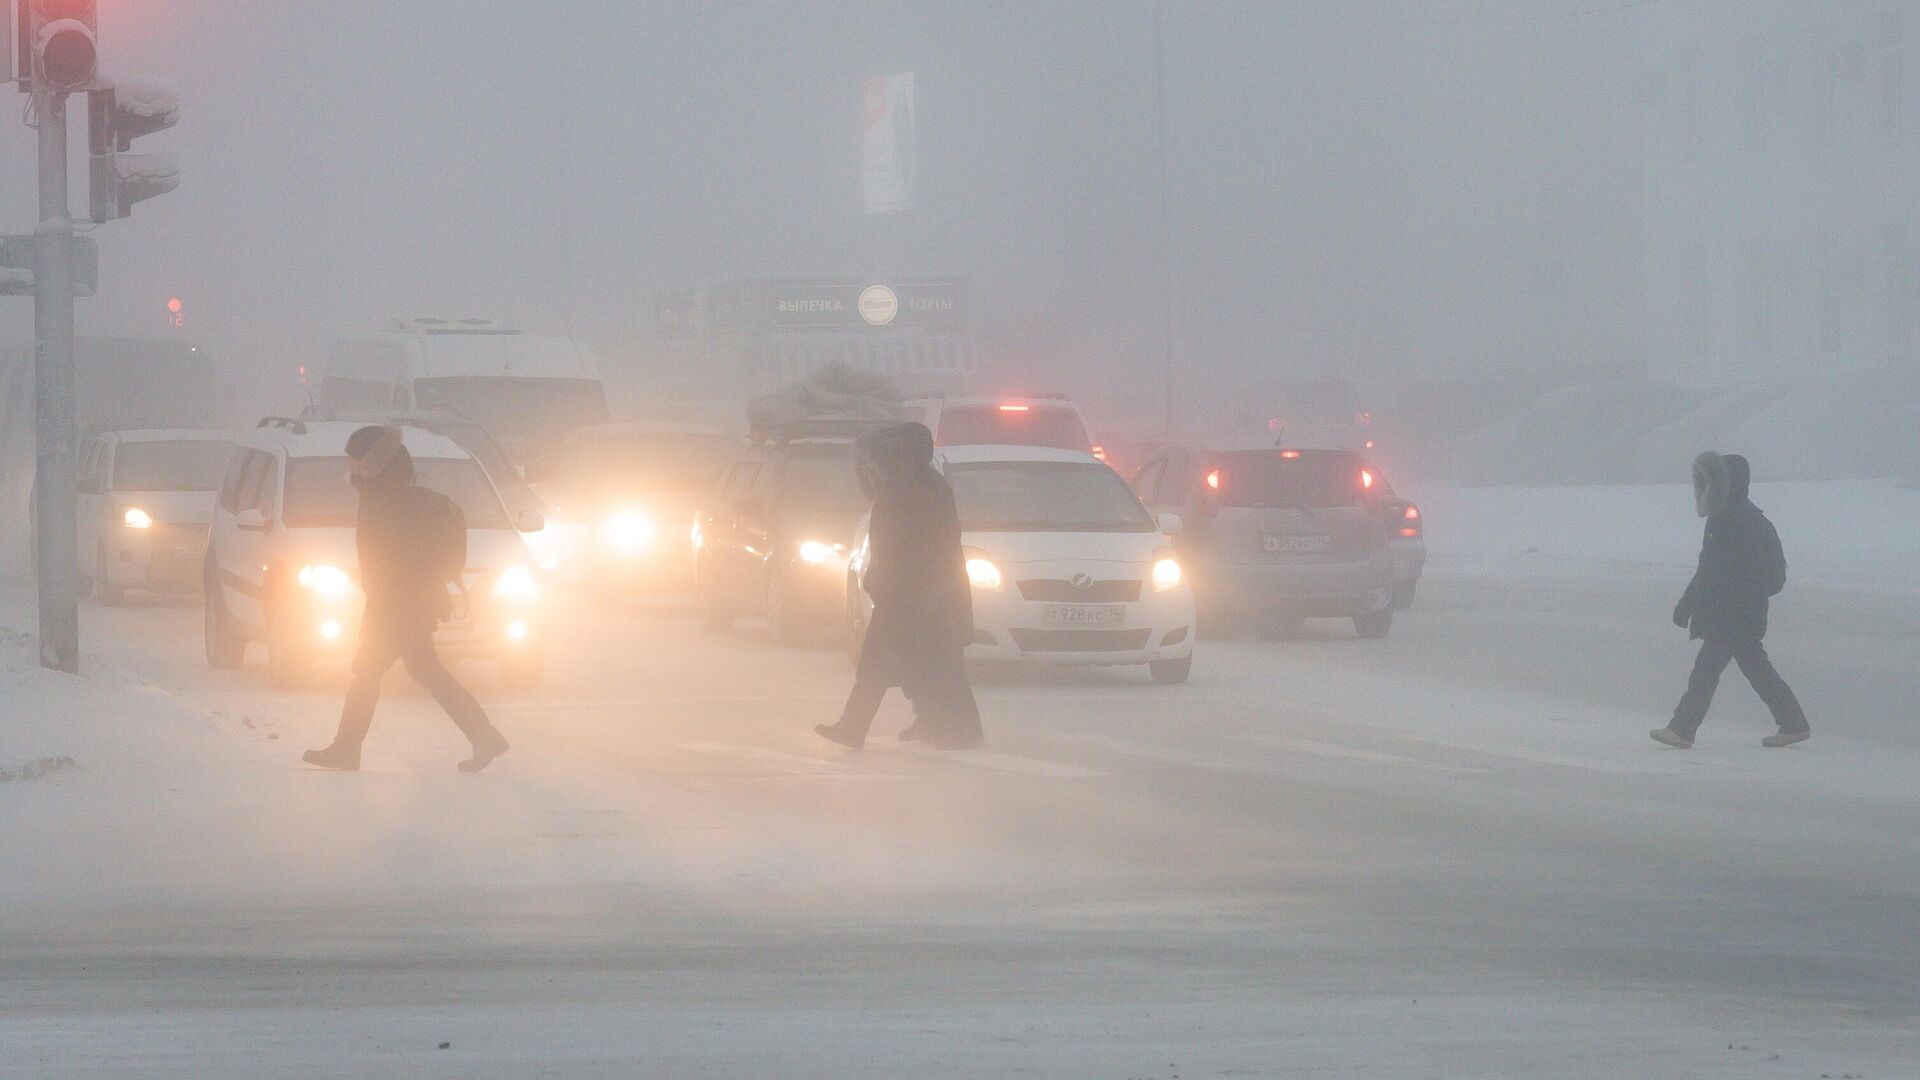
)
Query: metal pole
[
  {"x": 53, "y": 396},
  {"x": 1168, "y": 373}
]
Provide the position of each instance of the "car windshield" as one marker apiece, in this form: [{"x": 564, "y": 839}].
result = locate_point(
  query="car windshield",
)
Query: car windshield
[
  {"x": 822, "y": 482},
  {"x": 1045, "y": 496},
  {"x": 664, "y": 462},
  {"x": 170, "y": 466},
  {"x": 1013, "y": 425},
  {"x": 523, "y": 411},
  {"x": 1312, "y": 480},
  {"x": 319, "y": 496}
]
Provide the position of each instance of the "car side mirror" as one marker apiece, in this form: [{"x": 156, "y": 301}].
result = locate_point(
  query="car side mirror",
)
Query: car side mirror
[
  {"x": 1170, "y": 523},
  {"x": 530, "y": 521},
  {"x": 252, "y": 520}
]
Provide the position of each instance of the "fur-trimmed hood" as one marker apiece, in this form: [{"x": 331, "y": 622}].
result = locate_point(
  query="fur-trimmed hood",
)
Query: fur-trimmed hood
[{"x": 1720, "y": 482}]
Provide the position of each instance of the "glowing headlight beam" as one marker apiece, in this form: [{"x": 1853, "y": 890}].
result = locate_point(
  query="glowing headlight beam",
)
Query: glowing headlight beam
[
  {"x": 325, "y": 580},
  {"x": 515, "y": 583},
  {"x": 136, "y": 518}
]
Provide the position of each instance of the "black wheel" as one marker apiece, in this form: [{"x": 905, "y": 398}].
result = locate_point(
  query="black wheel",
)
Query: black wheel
[
  {"x": 103, "y": 587},
  {"x": 1374, "y": 625},
  {"x": 715, "y": 613},
  {"x": 1171, "y": 671},
  {"x": 1403, "y": 592},
  {"x": 289, "y": 666},
  {"x": 523, "y": 668},
  {"x": 226, "y": 648}
]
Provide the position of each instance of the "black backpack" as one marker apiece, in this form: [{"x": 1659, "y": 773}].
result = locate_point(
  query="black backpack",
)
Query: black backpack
[
  {"x": 443, "y": 535},
  {"x": 1773, "y": 562}
]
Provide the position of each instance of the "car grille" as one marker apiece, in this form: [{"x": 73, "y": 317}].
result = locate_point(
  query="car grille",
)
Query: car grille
[
  {"x": 1080, "y": 640},
  {"x": 1064, "y": 592}
]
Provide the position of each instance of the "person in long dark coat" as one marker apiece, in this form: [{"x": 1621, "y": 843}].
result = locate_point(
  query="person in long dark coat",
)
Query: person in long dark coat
[
  {"x": 922, "y": 602},
  {"x": 1726, "y": 604},
  {"x": 406, "y": 597}
]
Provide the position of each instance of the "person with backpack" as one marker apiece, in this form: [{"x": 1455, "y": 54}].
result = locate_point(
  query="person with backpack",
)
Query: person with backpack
[
  {"x": 412, "y": 543},
  {"x": 1741, "y": 567}
]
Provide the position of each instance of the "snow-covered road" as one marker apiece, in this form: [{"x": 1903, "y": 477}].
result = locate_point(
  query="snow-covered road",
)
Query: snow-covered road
[{"x": 1452, "y": 853}]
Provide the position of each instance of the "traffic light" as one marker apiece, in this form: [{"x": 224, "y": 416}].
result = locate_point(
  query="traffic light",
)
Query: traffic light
[
  {"x": 116, "y": 117},
  {"x": 60, "y": 38}
]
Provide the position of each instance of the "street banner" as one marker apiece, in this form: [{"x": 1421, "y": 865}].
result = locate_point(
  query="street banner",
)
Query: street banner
[{"x": 888, "y": 146}]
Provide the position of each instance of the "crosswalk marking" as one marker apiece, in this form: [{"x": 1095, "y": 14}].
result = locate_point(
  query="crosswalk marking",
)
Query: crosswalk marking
[{"x": 994, "y": 759}]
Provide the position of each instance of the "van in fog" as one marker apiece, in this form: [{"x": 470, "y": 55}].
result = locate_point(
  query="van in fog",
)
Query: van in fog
[{"x": 528, "y": 390}]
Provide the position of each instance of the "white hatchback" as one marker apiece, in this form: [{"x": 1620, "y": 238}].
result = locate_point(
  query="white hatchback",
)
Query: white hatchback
[{"x": 1067, "y": 566}]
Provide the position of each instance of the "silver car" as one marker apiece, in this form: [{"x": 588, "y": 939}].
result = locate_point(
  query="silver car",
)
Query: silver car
[{"x": 1288, "y": 534}]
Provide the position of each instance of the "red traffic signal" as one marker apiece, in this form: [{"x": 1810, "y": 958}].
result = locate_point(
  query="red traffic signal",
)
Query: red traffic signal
[{"x": 62, "y": 35}]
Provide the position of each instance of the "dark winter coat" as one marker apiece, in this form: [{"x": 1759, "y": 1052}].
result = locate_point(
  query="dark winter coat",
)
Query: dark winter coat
[
  {"x": 916, "y": 570},
  {"x": 1741, "y": 561},
  {"x": 405, "y": 587}
]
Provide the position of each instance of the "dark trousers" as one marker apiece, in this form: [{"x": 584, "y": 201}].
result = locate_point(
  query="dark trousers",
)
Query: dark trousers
[
  {"x": 1754, "y": 664},
  {"x": 377, "y": 654},
  {"x": 943, "y": 704}
]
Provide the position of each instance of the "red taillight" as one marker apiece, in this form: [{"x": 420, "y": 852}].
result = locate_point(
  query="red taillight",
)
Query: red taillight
[
  {"x": 1413, "y": 512},
  {"x": 1100, "y": 453},
  {"x": 1410, "y": 532},
  {"x": 1213, "y": 479},
  {"x": 1366, "y": 479},
  {"x": 1289, "y": 454},
  {"x": 1016, "y": 408}
]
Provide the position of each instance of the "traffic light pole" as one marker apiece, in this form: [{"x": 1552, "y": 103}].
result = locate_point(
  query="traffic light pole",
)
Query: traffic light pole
[{"x": 54, "y": 396}]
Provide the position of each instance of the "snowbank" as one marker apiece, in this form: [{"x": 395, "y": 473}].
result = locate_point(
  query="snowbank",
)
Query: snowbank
[{"x": 1852, "y": 533}]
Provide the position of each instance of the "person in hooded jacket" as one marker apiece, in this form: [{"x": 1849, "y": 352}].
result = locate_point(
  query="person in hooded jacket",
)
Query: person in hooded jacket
[
  {"x": 922, "y": 602},
  {"x": 1725, "y": 606},
  {"x": 406, "y": 597}
]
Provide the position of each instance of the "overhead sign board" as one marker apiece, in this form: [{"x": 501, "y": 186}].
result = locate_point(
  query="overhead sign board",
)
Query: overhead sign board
[{"x": 855, "y": 306}]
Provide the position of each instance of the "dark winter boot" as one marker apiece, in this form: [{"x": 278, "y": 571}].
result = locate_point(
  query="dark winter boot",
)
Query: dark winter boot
[
  {"x": 341, "y": 757},
  {"x": 1786, "y": 738},
  {"x": 841, "y": 733},
  {"x": 1666, "y": 736},
  {"x": 485, "y": 748}
]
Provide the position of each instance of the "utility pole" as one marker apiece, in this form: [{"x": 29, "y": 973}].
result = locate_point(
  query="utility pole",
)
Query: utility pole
[
  {"x": 53, "y": 395},
  {"x": 1168, "y": 372}
]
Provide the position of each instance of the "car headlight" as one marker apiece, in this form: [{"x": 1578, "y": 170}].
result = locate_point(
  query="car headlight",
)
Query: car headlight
[
  {"x": 1166, "y": 572},
  {"x": 819, "y": 551},
  {"x": 136, "y": 518},
  {"x": 325, "y": 580},
  {"x": 515, "y": 583},
  {"x": 628, "y": 532},
  {"x": 982, "y": 573},
  {"x": 698, "y": 540}
]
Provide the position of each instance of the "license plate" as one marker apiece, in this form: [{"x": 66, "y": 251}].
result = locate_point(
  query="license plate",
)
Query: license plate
[
  {"x": 1083, "y": 614},
  {"x": 1291, "y": 544}
]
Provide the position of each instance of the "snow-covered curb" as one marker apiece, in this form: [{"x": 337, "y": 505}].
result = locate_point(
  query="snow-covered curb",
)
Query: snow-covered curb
[{"x": 37, "y": 768}]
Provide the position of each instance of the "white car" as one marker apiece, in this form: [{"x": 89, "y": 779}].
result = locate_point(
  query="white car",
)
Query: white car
[
  {"x": 282, "y": 566},
  {"x": 144, "y": 499},
  {"x": 1048, "y": 420},
  {"x": 1067, "y": 566}
]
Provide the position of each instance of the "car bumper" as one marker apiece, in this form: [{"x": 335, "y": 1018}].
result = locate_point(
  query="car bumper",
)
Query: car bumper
[
  {"x": 1305, "y": 590},
  {"x": 1007, "y": 628},
  {"x": 331, "y": 631},
  {"x": 167, "y": 558}
]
